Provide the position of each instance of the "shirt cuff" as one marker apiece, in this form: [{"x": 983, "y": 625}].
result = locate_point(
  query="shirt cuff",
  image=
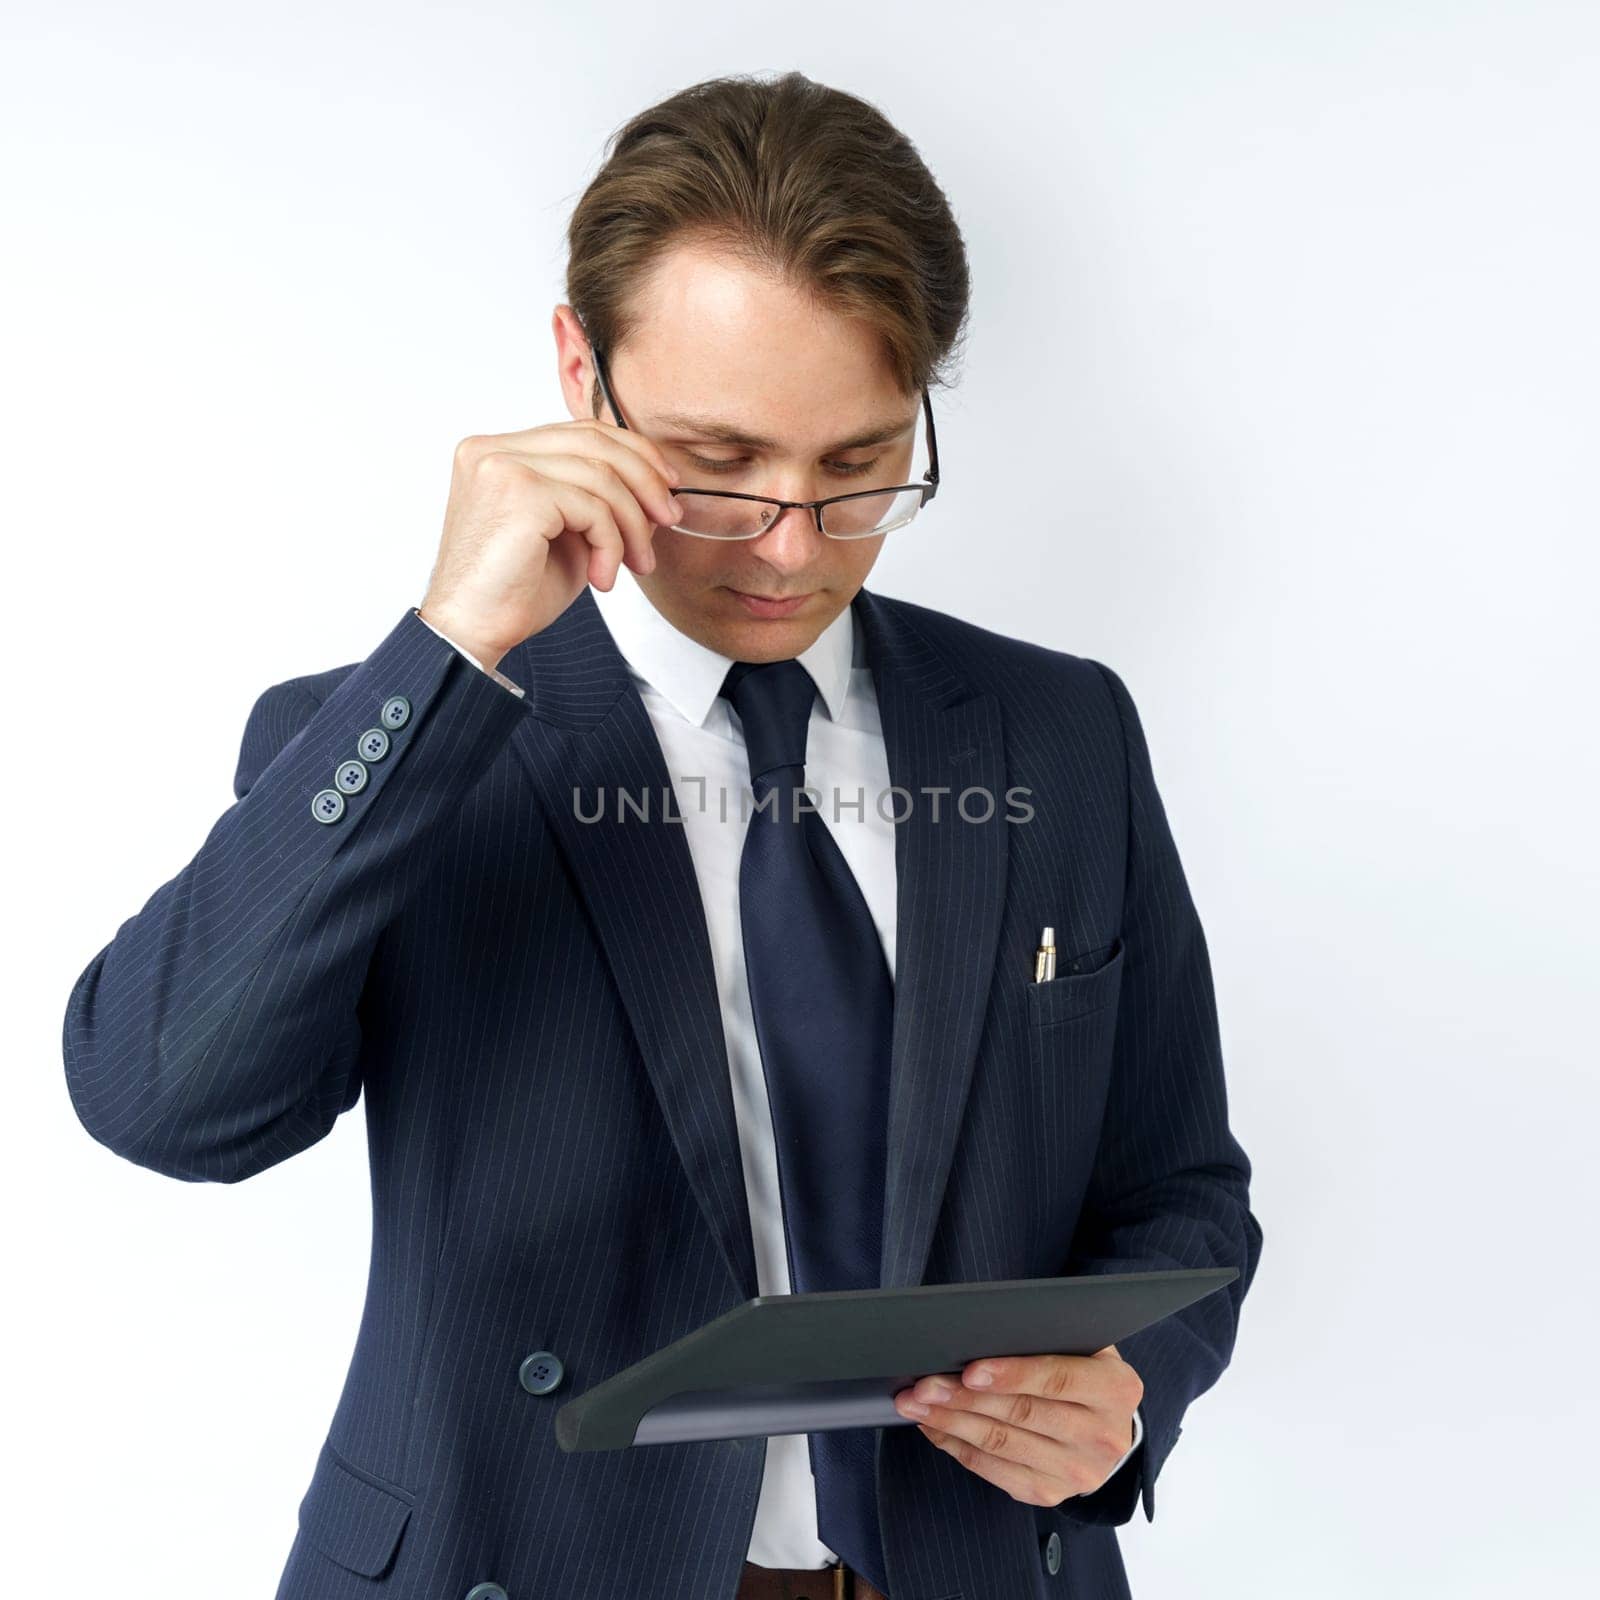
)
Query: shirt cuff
[
  {"x": 1138, "y": 1434},
  {"x": 499, "y": 677}
]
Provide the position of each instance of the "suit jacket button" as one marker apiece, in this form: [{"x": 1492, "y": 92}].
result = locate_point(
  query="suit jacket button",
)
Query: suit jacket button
[
  {"x": 327, "y": 805},
  {"x": 487, "y": 1591},
  {"x": 373, "y": 745},
  {"x": 351, "y": 777},
  {"x": 396, "y": 711},
  {"x": 541, "y": 1372},
  {"x": 1052, "y": 1554}
]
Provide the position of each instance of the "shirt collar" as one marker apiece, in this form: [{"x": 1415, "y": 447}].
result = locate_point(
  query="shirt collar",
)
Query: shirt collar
[{"x": 689, "y": 674}]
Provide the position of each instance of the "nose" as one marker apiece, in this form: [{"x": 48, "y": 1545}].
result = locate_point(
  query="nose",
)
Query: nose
[{"x": 790, "y": 541}]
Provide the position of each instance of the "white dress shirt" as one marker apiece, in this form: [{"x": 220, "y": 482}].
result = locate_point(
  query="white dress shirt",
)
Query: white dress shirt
[{"x": 678, "y": 678}]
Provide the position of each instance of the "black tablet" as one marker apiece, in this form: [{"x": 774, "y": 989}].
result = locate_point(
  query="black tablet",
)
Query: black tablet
[{"x": 808, "y": 1363}]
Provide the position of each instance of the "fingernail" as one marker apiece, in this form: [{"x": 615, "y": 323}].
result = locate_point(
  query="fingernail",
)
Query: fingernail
[
  {"x": 937, "y": 1392},
  {"x": 913, "y": 1408},
  {"x": 675, "y": 510},
  {"x": 980, "y": 1379}
]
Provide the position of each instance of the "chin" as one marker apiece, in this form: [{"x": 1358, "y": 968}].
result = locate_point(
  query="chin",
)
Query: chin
[{"x": 751, "y": 640}]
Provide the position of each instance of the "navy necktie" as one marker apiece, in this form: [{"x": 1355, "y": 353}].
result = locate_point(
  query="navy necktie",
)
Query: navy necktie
[{"x": 823, "y": 1003}]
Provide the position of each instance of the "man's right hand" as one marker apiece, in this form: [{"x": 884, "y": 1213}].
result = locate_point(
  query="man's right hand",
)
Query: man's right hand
[{"x": 533, "y": 517}]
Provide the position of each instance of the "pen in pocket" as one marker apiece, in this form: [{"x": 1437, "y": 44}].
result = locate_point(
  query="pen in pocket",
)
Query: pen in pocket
[{"x": 1044, "y": 958}]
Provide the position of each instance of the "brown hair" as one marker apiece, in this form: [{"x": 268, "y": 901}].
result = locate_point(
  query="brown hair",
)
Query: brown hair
[{"x": 796, "y": 178}]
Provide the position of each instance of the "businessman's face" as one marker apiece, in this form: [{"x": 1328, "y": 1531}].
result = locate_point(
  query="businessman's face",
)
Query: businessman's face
[{"x": 721, "y": 343}]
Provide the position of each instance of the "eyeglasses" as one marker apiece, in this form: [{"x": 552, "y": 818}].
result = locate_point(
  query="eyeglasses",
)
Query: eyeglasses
[{"x": 864, "y": 514}]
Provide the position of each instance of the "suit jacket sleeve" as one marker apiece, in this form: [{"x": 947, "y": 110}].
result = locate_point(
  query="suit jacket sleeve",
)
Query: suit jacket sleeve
[
  {"x": 217, "y": 1033},
  {"x": 494, "y": 672},
  {"x": 1170, "y": 1186}
]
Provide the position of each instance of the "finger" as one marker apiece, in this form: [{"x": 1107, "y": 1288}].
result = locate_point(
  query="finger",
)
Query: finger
[
  {"x": 997, "y": 1436},
  {"x": 1061, "y": 1420},
  {"x": 1089, "y": 1435},
  {"x": 639, "y": 460},
  {"x": 1086, "y": 1380},
  {"x": 597, "y": 481},
  {"x": 1081, "y": 1459},
  {"x": 602, "y": 478},
  {"x": 1058, "y": 1377},
  {"x": 589, "y": 515},
  {"x": 1019, "y": 1480}
]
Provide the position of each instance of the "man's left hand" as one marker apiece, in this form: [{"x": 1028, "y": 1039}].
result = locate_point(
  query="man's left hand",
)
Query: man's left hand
[{"x": 1043, "y": 1429}]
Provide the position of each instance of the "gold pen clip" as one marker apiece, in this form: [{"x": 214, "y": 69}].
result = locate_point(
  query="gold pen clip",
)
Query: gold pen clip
[{"x": 1044, "y": 958}]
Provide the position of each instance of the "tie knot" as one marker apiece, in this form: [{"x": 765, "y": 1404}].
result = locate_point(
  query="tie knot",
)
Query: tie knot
[{"x": 773, "y": 699}]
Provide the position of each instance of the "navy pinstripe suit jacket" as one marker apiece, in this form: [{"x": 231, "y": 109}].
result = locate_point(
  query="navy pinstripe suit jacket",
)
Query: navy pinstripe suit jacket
[{"x": 527, "y": 1000}]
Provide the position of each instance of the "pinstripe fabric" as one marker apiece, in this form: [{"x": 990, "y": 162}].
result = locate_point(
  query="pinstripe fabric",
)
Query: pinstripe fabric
[{"x": 525, "y": 1003}]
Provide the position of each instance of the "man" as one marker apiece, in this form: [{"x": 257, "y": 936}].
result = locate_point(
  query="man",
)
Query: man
[{"x": 633, "y": 1050}]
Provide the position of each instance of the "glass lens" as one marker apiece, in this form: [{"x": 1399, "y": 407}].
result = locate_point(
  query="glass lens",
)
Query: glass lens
[
  {"x": 716, "y": 517},
  {"x": 862, "y": 515}
]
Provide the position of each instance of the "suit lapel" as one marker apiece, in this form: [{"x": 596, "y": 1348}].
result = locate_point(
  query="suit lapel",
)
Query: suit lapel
[
  {"x": 589, "y": 738},
  {"x": 950, "y": 892}
]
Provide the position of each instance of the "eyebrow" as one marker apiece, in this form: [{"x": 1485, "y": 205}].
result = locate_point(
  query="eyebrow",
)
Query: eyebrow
[{"x": 727, "y": 433}]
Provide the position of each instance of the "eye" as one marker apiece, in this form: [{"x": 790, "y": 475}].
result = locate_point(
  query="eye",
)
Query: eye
[{"x": 840, "y": 469}]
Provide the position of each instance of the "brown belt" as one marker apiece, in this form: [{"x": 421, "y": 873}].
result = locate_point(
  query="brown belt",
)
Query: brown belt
[{"x": 837, "y": 1582}]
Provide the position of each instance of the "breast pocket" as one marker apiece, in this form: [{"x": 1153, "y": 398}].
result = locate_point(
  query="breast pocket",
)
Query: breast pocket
[
  {"x": 1083, "y": 984},
  {"x": 1072, "y": 1023}
]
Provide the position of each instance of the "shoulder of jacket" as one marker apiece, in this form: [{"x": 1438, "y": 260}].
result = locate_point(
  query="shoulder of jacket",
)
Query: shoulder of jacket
[{"x": 1000, "y": 663}]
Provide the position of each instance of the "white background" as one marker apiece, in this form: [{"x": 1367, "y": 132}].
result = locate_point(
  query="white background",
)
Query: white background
[{"x": 1280, "y": 398}]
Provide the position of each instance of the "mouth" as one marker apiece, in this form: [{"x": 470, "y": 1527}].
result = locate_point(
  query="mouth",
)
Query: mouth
[{"x": 760, "y": 605}]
